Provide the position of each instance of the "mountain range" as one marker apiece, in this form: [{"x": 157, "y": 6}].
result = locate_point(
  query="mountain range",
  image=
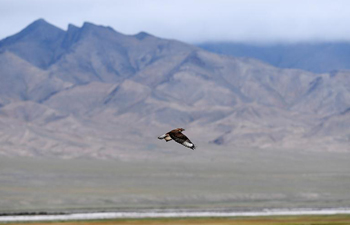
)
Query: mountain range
[
  {"x": 93, "y": 92},
  {"x": 316, "y": 57}
]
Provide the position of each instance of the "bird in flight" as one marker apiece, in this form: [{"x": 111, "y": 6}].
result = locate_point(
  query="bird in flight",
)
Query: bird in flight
[{"x": 179, "y": 137}]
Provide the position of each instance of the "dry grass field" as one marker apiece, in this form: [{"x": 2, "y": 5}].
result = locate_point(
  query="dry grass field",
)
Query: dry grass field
[
  {"x": 279, "y": 220},
  {"x": 240, "y": 180}
]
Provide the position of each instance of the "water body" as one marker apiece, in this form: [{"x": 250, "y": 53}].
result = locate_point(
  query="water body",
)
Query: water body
[{"x": 171, "y": 214}]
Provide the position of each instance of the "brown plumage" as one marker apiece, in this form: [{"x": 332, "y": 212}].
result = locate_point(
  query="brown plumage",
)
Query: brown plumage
[{"x": 179, "y": 137}]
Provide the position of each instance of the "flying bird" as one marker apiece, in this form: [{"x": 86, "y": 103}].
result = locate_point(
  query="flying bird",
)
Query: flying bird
[{"x": 179, "y": 137}]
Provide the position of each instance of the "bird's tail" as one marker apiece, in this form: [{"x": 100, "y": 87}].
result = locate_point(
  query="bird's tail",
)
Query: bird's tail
[{"x": 162, "y": 136}]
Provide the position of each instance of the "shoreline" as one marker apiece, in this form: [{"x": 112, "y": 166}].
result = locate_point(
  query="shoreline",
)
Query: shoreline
[{"x": 168, "y": 214}]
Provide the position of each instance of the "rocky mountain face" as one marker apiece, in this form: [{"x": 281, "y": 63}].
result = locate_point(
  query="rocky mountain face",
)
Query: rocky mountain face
[
  {"x": 318, "y": 57},
  {"x": 93, "y": 92}
]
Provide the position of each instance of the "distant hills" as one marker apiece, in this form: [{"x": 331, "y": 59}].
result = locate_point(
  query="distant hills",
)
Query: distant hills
[
  {"x": 93, "y": 92},
  {"x": 322, "y": 57}
]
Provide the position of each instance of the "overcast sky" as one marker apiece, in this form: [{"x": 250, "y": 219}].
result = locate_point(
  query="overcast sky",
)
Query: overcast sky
[{"x": 191, "y": 20}]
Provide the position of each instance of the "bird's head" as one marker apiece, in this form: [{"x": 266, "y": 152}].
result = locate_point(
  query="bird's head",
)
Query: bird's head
[{"x": 180, "y": 129}]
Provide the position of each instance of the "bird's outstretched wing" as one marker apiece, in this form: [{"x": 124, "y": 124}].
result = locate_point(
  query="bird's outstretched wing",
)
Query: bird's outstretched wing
[{"x": 182, "y": 139}]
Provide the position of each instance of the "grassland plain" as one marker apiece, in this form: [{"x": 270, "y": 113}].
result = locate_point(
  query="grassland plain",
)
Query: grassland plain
[
  {"x": 239, "y": 180},
  {"x": 275, "y": 220}
]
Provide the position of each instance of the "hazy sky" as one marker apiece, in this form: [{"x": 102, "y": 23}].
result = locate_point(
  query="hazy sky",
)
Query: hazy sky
[{"x": 191, "y": 20}]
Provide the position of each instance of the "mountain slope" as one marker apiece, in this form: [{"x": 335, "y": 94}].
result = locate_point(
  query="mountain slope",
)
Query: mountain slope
[
  {"x": 38, "y": 43},
  {"x": 20, "y": 80}
]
